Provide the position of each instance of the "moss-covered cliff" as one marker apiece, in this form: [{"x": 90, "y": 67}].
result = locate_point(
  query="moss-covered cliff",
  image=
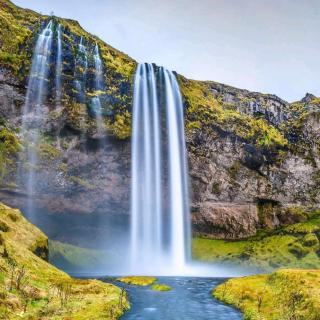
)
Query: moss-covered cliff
[{"x": 253, "y": 157}]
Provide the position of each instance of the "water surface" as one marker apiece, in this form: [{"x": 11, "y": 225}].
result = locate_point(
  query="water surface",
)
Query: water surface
[{"x": 189, "y": 299}]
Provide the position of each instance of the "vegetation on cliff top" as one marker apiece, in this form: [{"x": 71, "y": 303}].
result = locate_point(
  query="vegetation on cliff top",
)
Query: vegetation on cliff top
[
  {"x": 285, "y": 294},
  {"x": 30, "y": 288},
  {"x": 205, "y": 112},
  {"x": 292, "y": 246}
]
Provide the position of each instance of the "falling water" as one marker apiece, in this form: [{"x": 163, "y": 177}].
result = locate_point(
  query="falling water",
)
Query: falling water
[
  {"x": 58, "y": 66},
  {"x": 159, "y": 222},
  {"x": 98, "y": 69},
  {"x": 81, "y": 67},
  {"x": 32, "y": 114},
  {"x": 99, "y": 86},
  {"x": 178, "y": 182}
]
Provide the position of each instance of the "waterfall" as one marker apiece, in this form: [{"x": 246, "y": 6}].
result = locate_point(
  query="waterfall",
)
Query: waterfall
[
  {"x": 159, "y": 210},
  {"x": 178, "y": 182},
  {"x": 81, "y": 67},
  {"x": 32, "y": 114},
  {"x": 98, "y": 69},
  {"x": 98, "y": 87},
  {"x": 58, "y": 66}
]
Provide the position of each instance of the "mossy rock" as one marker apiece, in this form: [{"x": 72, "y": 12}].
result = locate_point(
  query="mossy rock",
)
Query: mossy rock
[
  {"x": 138, "y": 280},
  {"x": 161, "y": 287},
  {"x": 299, "y": 250},
  {"x": 310, "y": 240}
]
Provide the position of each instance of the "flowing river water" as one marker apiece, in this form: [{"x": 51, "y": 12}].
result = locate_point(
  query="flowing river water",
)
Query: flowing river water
[{"x": 189, "y": 299}]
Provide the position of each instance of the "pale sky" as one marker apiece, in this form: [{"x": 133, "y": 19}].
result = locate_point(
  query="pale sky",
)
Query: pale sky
[{"x": 270, "y": 46}]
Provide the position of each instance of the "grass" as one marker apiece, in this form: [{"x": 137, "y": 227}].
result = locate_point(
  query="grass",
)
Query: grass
[
  {"x": 285, "y": 294},
  {"x": 31, "y": 288},
  {"x": 138, "y": 280},
  {"x": 294, "y": 246}
]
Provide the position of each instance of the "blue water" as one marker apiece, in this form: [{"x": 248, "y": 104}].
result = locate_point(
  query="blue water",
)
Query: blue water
[{"x": 189, "y": 299}]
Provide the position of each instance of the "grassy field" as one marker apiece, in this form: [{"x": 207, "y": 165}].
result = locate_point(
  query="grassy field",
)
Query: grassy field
[
  {"x": 283, "y": 295},
  {"x": 31, "y": 288}
]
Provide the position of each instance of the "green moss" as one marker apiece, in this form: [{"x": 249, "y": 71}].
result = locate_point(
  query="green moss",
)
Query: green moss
[
  {"x": 9, "y": 148},
  {"x": 138, "y": 280},
  {"x": 310, "y": 240},
  {"x": 121, "y": 127},
  {"x": 161, "y": 287},
  {"x": 81, "y": 182},
  {"x": 298, "y": 250},
  {"x": 15, "y": 35},
  {"x": 48, "y": 152},
  {"x": 285, "y": 294}
]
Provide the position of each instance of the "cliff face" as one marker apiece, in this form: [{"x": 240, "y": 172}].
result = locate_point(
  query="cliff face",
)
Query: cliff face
[{"x": 253, "y": 158}]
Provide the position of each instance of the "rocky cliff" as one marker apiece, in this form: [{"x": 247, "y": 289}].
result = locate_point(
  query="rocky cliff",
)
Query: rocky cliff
[{"x": 253, "y": 158}]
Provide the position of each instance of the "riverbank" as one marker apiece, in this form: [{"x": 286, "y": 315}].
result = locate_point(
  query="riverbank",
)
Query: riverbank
[{"x": 284, "y": 294}]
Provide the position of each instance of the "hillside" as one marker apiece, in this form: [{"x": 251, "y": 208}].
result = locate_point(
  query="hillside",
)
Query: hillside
[
  {"x": 285, "y": 294},
  {"x": 31, "y": 288},
  {"x": 253, "y": 158}
]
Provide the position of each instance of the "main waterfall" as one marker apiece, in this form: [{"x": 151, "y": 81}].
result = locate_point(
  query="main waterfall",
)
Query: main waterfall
[{"x": 160, "y": 229}]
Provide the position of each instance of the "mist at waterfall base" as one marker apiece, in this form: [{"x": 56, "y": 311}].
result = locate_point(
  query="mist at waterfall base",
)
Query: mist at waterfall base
[{"x": 155, "y": 239}]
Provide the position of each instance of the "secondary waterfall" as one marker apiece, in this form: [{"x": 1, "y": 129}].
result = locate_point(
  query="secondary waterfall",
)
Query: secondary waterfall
[
  {"x": 160, "y": 229},
  {"x": 58, "y": 66},
  {"x": 32, "y": 113},
  {"x": 81, "y": 67},
  {"x": 99, "y": 87}
]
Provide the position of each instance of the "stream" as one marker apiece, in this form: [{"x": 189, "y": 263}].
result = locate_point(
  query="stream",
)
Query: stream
[{"x": 189, "y": 299}]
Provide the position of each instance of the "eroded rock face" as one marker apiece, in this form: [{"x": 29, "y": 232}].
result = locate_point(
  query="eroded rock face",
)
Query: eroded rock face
[{"x": 229, "y": 178}]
